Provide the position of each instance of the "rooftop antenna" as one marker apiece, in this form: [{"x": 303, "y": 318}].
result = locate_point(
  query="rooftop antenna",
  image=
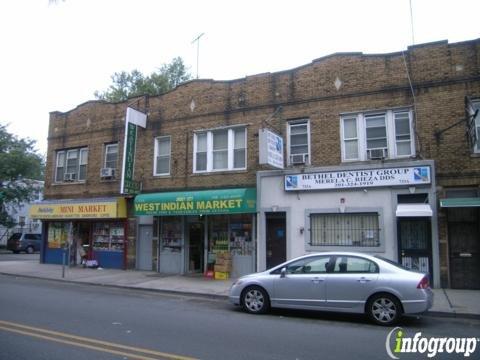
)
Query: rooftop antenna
[{"x": 197, "y": 39}]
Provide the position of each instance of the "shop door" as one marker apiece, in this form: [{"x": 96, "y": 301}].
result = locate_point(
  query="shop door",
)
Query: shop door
[
  {"x": 276, "y": 239},
  {"x": 464, "y": 240},
  {"x": 414, "y": 238},
  {"x": 196, "y": 236},
  {"x": 144, "y": 255}
]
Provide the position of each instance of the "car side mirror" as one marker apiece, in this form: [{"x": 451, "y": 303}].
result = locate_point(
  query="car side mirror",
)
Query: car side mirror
[{"x": 283, "y": 272}]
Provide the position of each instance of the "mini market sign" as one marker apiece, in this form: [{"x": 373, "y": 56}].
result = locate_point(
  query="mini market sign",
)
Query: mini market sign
[{"x": 231, "y": 201}]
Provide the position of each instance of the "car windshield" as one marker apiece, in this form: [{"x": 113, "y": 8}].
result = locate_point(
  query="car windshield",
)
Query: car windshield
[
  {"x": 394, "y": 263},
  {"x": 16, "y": 236}
]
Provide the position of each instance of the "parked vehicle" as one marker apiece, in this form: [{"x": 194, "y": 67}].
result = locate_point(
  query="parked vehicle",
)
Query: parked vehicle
[
  {"x": 27, "y": 242},
  {"x": 337, "y": 281}
]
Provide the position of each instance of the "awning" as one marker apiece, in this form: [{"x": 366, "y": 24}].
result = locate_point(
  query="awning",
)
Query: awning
[
  {"x": 95, "y": 208},
  {"x": 414, "y": 210},
  {"x": 225, "y": 201},
  {"x": 460, "y": 202}
]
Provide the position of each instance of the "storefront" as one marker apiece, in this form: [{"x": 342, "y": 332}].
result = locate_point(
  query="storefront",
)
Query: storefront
[
  {"x": 211, "y": 232},
  {"x": 384, "y": 209},
  {"x": 83, "y": 230}
]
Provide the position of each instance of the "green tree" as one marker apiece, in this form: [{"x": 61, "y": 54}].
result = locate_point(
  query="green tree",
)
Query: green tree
[
  {"x": 20, "y": 165},
  {"x": 134, "y": 83}
]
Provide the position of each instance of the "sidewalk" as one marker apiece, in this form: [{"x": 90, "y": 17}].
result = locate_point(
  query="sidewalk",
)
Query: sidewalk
[{"x": 448, "y": 302}]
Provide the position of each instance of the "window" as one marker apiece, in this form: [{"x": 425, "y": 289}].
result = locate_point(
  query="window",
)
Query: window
[
  {"x": 354, "y": 229},
  {"x": 298, "y": 142},
  {"x": 386, "y": 134},
  {"x": 353, "y": 264},
  {"x": 162, "y": 155},
  {"x": 310, "y": 265},
  {"x": 71, "y": 165},
  {"x": 474, "y": 125},
  {"x": 111, "y": 156},
  {"x": 220, "y": 150}
]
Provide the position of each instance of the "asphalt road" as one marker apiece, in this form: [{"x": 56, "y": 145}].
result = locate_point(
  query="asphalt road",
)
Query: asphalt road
[{"x": 41, "y": 319}]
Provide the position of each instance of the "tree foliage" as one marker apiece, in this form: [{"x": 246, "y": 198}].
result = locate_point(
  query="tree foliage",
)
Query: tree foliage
[
  {"x": 130, "y": 84},
  {"x": 20, "y": 165}
]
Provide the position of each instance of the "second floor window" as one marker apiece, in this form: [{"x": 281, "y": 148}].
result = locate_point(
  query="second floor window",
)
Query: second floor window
[
  {"x": 382, "y": 135},
  {"x": 162, "y": 155},
  {"x": 474, "y": 125},
  {"x": 111, "y": 156},
  {"x": 298, "y": 142},
  {"x": 220, "y": 150},
  {"x": 71, "y": 165}
]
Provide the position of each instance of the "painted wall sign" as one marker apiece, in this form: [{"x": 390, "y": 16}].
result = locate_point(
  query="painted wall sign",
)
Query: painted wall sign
[
  {"x": 271, "y": 149},
  {"x": 403, "y": 176}
]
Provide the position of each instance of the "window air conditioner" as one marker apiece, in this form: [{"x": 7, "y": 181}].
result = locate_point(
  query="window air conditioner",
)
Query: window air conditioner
[
  {"x": 69, "y": 177},
  {"x": 107, "y": 173},
  {"x": 377, "y": 154},
  {"x": 298, "y": 159}
]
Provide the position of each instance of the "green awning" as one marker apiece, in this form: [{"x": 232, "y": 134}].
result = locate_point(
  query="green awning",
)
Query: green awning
[
  {"x": 460, "y": 202},
  {"x": 225, "y": 201}
]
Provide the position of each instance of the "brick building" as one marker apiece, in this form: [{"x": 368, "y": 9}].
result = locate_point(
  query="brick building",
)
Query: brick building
[{"x": 384, "y": 146}]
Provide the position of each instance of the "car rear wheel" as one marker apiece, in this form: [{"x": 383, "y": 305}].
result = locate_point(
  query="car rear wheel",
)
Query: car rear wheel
[
  {"x": 255, "y": 300},
  {"x": 29, "y": 250},
  {"x": 384, "y": 309}
]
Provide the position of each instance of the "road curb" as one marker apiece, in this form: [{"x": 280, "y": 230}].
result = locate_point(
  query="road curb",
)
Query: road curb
[
  {"x": 452, "y": 315},
  {"x": 164, "y": 291}
]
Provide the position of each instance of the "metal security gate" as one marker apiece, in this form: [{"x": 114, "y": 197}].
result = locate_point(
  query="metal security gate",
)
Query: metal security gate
[
  {"x": 464, "y": 248},
  {"x": 414, "y": 236}
]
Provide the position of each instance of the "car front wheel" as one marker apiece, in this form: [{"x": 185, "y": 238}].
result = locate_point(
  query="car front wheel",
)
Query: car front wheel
[
  {"x": 384, "y": 309},
  {"x": 29, "y": 250},
  {"x": 255, "y": 300}
]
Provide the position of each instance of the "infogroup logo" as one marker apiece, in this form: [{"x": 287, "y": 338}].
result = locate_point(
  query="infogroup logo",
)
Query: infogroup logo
[{"x": 398, "y": 343}]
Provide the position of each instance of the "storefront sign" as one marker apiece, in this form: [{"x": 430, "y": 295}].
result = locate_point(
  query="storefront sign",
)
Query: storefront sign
[
  {"x": 271, "y": 149},
  {"x": 116, "y": 208},
  {"x": 134, "y": 118},
  {"x": 231, "y": 201},
  {"x": 404, "y": 176}
]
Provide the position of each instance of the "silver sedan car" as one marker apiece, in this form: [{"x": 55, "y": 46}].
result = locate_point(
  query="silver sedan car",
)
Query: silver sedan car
[{"x": 337, "y": 281}]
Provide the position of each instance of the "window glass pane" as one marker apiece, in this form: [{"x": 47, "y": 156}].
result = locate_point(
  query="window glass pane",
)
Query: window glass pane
[
  {"x": 60, "y": 166},
  {"x": 201, "y": 142},
  {"x": 402, "y": 124},
  {"x": 163, "y": 164},
  {"x": 376, "y": 132},
  {"x": 111, "y": 154},
  {"x": 403, "y": 148},
  {"x": 358, "y": 229},
  {"x": 299, "y": 150},
  {"x": 220, "y": 160},
  {"x": 239, "y": 159},
  {"x": 201, "y": 162},
  {"x": 349, "y": 128},
  {"x": 164, "y": 146},
  {"x": 375, "y": 144},
  {"x": 350, "y": 264},
  {"x": 478, "y": 137},
  {"x": 83, "y": 172},
  {"x": 83, "y": 156},
  {"x": 351, "y": 149},
  {"x": 375, "y": 121},
  {"x": 61, "y": 158},
  {"x": 298, "y": 129},
  {"x": 220, "y": 140},
  {"x": 299, "y": 139},
  {"x": 72, "y": 161},
  {"x": 240, "y": 139}
]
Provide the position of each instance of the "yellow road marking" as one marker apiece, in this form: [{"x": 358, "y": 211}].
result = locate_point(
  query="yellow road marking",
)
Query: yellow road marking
[{"x": 87, "y": 342}]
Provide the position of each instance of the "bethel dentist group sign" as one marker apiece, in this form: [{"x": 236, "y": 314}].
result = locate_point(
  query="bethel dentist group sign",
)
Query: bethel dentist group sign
[{"x": 402, "y": 176}]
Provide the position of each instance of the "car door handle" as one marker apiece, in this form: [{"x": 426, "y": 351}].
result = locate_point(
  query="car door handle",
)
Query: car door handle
[
  {"x": 363, "y": 280},
  {"x": 317, "y": 280}
]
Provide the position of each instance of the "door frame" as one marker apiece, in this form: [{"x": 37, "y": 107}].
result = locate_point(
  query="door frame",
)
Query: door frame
[
  {"x": 279, "y": 215},
  {"x": 194, "y": 220}
]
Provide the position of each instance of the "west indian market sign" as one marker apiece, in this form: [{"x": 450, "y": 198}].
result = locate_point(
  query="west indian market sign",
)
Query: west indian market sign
[{"x": 401, "y": 176}]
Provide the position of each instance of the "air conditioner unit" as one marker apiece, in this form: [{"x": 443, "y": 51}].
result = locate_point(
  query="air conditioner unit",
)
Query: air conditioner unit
[
  {"x": 377, "y": 154},
  {"x": 298, "y": 159},
  {"x": 69, "y": 177},
  {"x": 107, "y": 173}
]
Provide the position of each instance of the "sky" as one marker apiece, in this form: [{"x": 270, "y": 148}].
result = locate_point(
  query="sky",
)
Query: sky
[{"x": 54, "y": 56}]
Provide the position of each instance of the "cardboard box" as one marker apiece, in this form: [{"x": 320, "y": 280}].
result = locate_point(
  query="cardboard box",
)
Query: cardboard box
[
  {"x": 224, "y": 256},
  {"x": 220, "y": 275},
  {"x": 226, "y": 262},
  {"x": 222, "y": 268}
]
